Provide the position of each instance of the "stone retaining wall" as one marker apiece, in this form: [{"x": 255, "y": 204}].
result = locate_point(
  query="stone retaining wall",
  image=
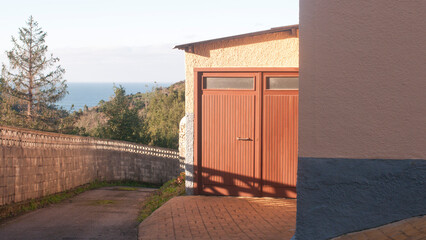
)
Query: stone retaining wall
[
  {"x": 338, "y": 196},
  {"x": 34, "y": 163}
]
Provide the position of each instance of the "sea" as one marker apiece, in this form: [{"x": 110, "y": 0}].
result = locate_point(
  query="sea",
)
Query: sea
[{"x": 90, "y": 94}]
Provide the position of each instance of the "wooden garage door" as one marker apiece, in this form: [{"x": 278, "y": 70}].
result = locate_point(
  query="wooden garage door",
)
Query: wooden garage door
[
  {"x": 280, "y": 134},
  {"x": 228, "y": 132},
  {"x": 247, "y": 133}
]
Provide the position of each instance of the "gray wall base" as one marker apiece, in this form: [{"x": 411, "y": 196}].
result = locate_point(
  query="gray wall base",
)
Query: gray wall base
[{"x": 338, "y": 196}]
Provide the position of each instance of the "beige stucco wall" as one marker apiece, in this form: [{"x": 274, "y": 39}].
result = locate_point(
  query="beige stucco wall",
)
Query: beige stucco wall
[
  {"x": 269, "y": 50},
  {"x": 362, "y": 79}
]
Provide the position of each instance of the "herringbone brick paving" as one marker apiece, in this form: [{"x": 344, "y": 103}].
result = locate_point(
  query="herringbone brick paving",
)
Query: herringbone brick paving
[
  {"x": 201, "y": 217},
  {"x": 408, "y": 229}
]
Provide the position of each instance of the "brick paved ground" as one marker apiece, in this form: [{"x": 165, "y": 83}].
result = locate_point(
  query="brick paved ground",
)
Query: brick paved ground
[
  {"x": 408, "y": 229},
  {"x": 201, "y": 217}
]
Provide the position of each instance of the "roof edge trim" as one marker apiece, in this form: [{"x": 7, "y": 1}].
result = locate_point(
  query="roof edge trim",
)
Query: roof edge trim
[{"x": 189, "y": 47}]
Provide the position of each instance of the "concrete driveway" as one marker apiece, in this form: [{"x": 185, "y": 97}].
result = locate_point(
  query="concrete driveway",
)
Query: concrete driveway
[
  {"x": 106, "y": 213},
  {"x": 201, "y": 217}
]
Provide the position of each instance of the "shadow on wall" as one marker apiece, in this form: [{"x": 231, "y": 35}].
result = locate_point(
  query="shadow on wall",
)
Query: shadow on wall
[{"x": 215, "y": 182}]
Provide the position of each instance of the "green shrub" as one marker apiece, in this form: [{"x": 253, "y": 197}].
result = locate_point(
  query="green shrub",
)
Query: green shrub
[{"x": 172, "y": 188}]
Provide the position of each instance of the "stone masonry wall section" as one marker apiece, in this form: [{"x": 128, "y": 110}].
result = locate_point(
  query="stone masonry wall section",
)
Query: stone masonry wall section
[
  {"x": 338, "y": 196},
  {"x": 34, "y": 164}
]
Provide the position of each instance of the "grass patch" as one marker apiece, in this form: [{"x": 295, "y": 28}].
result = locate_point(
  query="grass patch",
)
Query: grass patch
[
  {"x": 15, "y": 209},
  {"x": 102, "y": 202},
  {"x": 126, "y": 189},
  {"x": 172, "y": 188}
]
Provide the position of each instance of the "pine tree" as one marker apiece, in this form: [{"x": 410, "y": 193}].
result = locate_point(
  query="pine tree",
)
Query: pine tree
[{"x": 33, "y": 81}]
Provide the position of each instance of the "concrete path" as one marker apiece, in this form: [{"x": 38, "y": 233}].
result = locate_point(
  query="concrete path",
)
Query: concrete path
[
  {"x": 106, "y": 213},
  {"x": 201, "y": 217},
  {"x": 408, "y": 229}
]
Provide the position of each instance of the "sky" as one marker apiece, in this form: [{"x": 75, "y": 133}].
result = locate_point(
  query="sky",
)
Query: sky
[{"x": 132, "y": 40}]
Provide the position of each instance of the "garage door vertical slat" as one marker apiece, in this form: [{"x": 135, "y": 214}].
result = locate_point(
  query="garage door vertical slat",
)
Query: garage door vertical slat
[
  {"x": 280, "y": 144},
  {"x": 226, "y": 170}
]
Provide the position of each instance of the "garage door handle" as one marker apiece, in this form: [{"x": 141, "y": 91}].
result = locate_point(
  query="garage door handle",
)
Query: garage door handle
[{"x": 243, "y": 139}]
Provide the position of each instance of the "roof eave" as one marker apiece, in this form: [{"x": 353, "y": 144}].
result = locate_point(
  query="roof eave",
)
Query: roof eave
[{"x": 189, "y": 47}]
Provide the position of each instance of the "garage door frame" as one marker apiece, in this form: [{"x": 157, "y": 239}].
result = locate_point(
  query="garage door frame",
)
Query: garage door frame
[{"x": 198, "y": 72}]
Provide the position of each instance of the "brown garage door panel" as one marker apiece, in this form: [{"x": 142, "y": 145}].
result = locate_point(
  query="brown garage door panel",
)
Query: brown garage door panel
[
  {"x": 280, "y": 136},
  {"x": 247, "y": 191},
  {"x": 246, "y": 132},
  {"x": 274, "y": 191},
  {"x": 226, "y": 161}
]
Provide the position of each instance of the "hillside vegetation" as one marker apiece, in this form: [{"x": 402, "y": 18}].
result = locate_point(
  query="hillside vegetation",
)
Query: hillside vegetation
[
  {"x": 32, "y": 83},
  {"x": 150, "y": 118}
]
